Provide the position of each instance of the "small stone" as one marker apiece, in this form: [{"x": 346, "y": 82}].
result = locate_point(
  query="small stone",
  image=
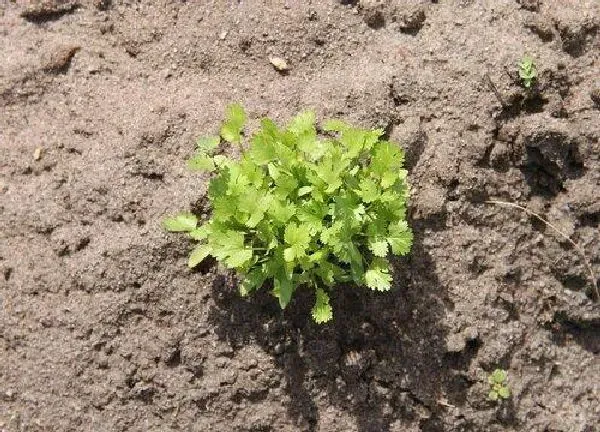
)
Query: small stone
[
  {"x": 223, "y": 35},
  {"x": 279, "y": 348},
  {"x": 37, "y": 153},
  {"x": 279, "y": 64},
  {"x": 59, "y": 58},
  {"x": 412, "y": 20}
]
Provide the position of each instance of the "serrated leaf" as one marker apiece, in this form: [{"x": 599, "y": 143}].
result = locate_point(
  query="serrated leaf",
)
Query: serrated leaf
[
  {"x": 334, "y": 125},
  {"x": 503, "y": 392},
  {"x": 499, "y": 376},
  {"x": 321, "y": 311},
  {"x": 400, "y": 238},
  {"x": 231, "y": 131},
  {"x": 253, "y": 280},
  {"x": 386, "y": 157},
  {"x": 201, "y": 162},
  {"x": 379, "y": 247},
  {"x": 368, "y": 190},
  {"x": 200, "y": 233},
  {"x": 262, "y": 150},
  {"x": 198, "y": 254},
  {"x": 183, "y": 222},
  {"x": 228, "y": 246},
  {"x": 237, "y": 258},
  {"x": 302, "y": 123},
  {"x": 281, "y": 211},
  {"x": 207, "y": 143},
  {"x": 378, "y": 275},
  {"x": 298, "y": 239}
]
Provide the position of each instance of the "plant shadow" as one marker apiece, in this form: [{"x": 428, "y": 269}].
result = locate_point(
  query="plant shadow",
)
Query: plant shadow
[{"x": 382, "y": 359}]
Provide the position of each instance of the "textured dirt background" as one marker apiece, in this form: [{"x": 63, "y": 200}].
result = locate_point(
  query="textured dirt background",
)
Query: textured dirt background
[{"x": 103, "y": 328}]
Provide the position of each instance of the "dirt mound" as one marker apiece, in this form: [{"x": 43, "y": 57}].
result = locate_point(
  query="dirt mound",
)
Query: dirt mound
[{"x": 103, "y": 327}]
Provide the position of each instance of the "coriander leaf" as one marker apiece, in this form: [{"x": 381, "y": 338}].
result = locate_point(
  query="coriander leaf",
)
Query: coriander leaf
[
  {"x": 239, "y": 257},
  {"x": 283, "y": 289},
  {"x": 253, "y": 280},
  {"x": 207, "y": 143},
  {"x": 281, "y": 211},
  {"x": 232, "y": 128},
  {"x": 304, "y": 190},
  {"x": 198, "y": 254},
  {"x": 400, "y": 238},
  {"x": 262, "y": 149},
  {"x": 321, "y": 311},
  {"x": 503, "y": 392},
  {"x": 368, "y": 190},
  {"x": 335, "y": 126},
  {"x": 298, "y": 239},
  {"x": 493, "y": 396},
  {"x": 228, "y": 246},
  {"x": 378, "y": 275},
  {"x": 499, "y": 376},
  {"x": 378, "y": 247},
  {"x": 201, "y": 162},
  {"x": 389, "y": 178},
  {"x": 354, "y": 141},
  {"x": 386, "y": 157},
  {"x": 302, "y": 123},
  {"x": 183, "y": 222},
  {"x": 200, "y": 233}
]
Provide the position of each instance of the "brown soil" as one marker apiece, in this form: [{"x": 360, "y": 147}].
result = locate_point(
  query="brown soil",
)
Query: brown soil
[{"x": 102, "y": 326}]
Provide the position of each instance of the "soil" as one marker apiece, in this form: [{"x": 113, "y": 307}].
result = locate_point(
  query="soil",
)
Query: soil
[{"x": 103, "y": 327}]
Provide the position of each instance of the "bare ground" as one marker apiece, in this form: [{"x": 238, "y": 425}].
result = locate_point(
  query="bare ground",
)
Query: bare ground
[{"x": 102, "y": 326}]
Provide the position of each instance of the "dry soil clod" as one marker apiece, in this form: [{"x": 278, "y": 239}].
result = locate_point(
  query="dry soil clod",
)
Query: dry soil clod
[
  {"x": 44, "y": 10},
  {"x": 58, "y": 59}
]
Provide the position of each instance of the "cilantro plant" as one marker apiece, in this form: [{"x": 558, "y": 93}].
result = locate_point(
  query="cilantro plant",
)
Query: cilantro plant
[
  {"x": 301, "y": 209},
  {"x": 527, "y": 71},
  {"x": 498, "y": 381}
]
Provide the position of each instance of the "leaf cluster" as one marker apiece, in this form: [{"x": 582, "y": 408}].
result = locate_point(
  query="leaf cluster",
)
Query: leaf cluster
[
  {"x": 527, "y": 71},
  {"x": 302, "y": 208},
  {"x": 498, "y": 381}
]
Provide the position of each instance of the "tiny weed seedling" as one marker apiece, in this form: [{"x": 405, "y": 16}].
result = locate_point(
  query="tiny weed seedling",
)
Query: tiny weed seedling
[
  {"x": 527, "y": 71},
  {"x": 301, "y": 209},
  {"x": 498, "y": 381}
]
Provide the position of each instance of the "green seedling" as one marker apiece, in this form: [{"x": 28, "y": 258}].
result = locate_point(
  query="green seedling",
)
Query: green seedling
[
  {"x": 301, "y": 209},
  {"x": 527, "y": 71},
  {"x": 498, "y": 385}
]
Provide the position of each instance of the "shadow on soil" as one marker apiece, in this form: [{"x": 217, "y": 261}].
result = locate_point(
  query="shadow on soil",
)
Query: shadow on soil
[{"x": 382, "y": 359}]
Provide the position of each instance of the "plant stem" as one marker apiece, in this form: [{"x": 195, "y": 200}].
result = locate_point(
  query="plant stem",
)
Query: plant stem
[{"x": 578, "y": 248}]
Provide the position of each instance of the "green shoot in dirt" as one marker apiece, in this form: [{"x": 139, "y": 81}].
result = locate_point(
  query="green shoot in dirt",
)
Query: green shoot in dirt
[
  {"x": 498, "y": 381},
  {"x": 527, "y": 71},
  {"x": 300, "y": 208}
]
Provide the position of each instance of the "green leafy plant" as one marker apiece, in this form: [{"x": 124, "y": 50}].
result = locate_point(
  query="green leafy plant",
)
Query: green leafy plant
[
  {"x": 299, "y": 208},
  {"x": 527, "y": 71},
  {"x": 498, "y": 381}
]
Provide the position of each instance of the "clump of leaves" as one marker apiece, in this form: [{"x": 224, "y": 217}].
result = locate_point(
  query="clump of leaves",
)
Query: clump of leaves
[
  {"x": 498, "y": 381},
  {"x": 299, "y": 208},
  {"x": 527, "y": 71}
]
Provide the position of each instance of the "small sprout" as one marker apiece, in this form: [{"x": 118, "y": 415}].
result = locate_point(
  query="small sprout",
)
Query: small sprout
[
  {"x": 498, "y": 385},
  {"x": 527, "y": 71}
]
